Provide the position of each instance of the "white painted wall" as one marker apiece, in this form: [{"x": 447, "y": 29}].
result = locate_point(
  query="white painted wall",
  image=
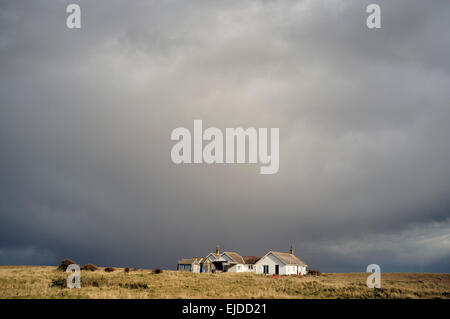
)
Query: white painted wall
[
  {"x": 249, "y": 268},
  {"x": 240, "y": 268},
  {"x": 268, "y": 260},
  {"x": 302, "y": 270},
  {"x": 295, "y": 270}
]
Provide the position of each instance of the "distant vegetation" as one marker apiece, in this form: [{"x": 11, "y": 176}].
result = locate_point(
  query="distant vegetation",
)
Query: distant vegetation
[
  {"x": 49, "y": 282},
  {"x": 90, "y": 267},
  {"x": 65, "y": 263}
]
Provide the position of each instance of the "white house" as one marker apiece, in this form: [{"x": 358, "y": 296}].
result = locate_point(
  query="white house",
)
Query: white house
[
  {"x": 280, "y": 263},
  {"x": 274, "y": 263}
]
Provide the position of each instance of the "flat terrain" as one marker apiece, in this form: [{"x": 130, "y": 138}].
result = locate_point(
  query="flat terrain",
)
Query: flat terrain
[{"x": 47, "y": 282}]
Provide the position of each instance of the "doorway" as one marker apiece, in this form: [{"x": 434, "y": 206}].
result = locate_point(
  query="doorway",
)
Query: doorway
[{"x": 277, "y": 269}]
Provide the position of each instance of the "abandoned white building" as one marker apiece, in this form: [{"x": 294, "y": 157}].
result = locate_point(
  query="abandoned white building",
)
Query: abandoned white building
[{"x": 272, "y": 263}]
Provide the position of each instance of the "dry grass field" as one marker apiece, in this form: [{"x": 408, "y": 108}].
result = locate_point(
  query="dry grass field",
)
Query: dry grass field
[{"x": 47, "y": 282}]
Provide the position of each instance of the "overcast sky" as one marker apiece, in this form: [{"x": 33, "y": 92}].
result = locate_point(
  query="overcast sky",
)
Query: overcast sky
[{"x": 364, "y": 117}]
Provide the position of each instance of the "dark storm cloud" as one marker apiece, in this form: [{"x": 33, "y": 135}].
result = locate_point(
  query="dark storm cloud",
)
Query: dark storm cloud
[{"x": 86, "y": 116}]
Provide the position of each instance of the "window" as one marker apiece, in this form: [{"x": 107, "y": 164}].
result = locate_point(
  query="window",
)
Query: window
[
  {"x": 266, "y": 269},
  {"x": 250, "y": 266},
  {"x": 239, "y": 267}
]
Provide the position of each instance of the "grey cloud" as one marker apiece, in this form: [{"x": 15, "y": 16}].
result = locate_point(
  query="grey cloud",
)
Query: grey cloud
[{"x": 86, "y": 116}]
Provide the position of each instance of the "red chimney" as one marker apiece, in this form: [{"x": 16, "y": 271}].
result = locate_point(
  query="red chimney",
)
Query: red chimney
[
  {"x": 217, "y": 250},
  {"x": 292, "y": 250}
]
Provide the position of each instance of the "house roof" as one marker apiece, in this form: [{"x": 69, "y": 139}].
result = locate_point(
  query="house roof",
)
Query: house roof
[
  {"x": 235, "y": 256},
  {"x": 213, "y": 254},
  {"x": 196, "y": 260},
  {"x": 251, "y": 259},
  {"x": 288, "y": 258},
  {"x": 188, "y": 261},
  {"x": 242, "y": 259},
  {"x": 199, "y": 259}
]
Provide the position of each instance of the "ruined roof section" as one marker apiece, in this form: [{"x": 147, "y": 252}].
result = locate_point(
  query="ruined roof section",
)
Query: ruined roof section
[
  {"x": 198, "y": 259},
  {"x": 188, "y": 261}
]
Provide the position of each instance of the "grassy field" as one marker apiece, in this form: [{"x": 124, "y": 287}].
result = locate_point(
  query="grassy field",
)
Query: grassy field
[{"x": 47, "y": 282}]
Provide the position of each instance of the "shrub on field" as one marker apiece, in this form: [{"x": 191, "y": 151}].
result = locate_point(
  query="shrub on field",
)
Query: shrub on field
[
  {"x": 90, "y": 267},
  {"x": 60, "y": 282},
  {"x": 314, "y": 272},
  {"x": 157, "y": 271},
  {"x": 65, "y": 263},
  {"x": 109, "y": 269},
  {"x": 127, "y": 269}
]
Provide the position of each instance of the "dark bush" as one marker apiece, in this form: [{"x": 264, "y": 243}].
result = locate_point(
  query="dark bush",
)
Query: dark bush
[
  {"x": 157, "y": 271},
  {"x": 65, "y": 263},
  {"x": 127, "y": 269},
  {"x": 62, "y": 283},
  {"x": 109, "y": 269},
  {"x": 90, "y": 267},
  {"x": 314, "y": 272}
]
